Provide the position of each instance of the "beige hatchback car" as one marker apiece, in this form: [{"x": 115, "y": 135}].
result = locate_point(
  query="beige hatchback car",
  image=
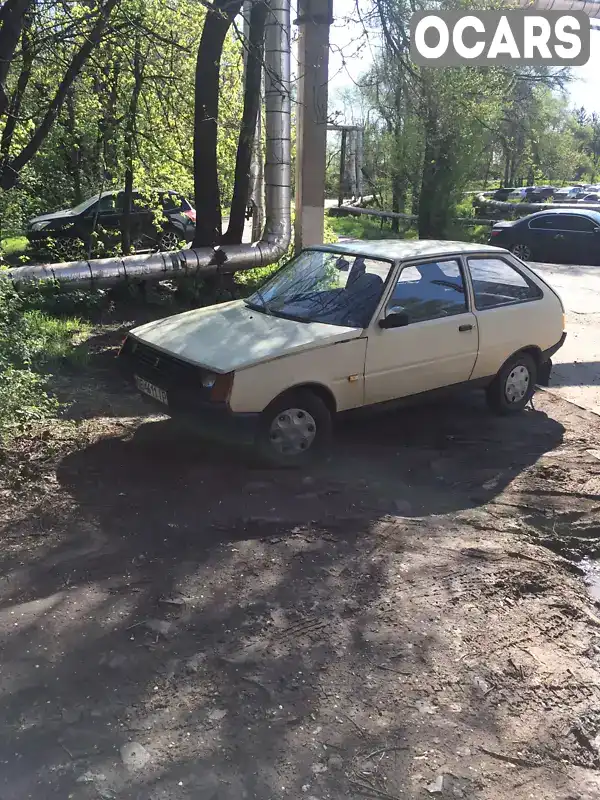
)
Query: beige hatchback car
[{"x": 345, "y": 326}]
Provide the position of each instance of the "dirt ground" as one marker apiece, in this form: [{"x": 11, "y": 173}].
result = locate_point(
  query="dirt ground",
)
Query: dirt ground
[
  {"x": 576, "y": 374},
  {"x": 400, "y": 622}
]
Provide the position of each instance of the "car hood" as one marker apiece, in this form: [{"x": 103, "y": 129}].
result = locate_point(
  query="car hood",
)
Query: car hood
[
  {"x": 231, "y": 336},
  {"x": 67, "y": 212}
]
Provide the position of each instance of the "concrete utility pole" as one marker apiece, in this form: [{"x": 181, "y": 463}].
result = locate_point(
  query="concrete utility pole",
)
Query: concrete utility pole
[{"x": 314, "y": 19}]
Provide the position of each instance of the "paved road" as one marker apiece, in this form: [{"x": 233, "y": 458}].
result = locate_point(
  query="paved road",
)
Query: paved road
[{"x": 576, "y": 375}]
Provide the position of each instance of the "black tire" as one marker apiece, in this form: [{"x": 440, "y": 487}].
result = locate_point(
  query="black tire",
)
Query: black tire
[
  {"x": 522, "y": 251},
  {"x": 294, "y": 404},
  {"x": 169, "y": 240},
  {"x": 519, "y": 371}
]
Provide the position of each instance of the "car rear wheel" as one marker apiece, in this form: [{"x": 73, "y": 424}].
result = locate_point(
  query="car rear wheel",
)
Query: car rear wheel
[
  {"x": 522, "y": 251},
  {"x": 514, "y": 385},
  {"x": 295, "y": 429}
]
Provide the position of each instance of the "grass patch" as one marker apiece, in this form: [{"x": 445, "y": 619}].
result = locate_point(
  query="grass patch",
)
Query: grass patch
[
  {"x": 53, "y": 339},
  {"x": 362, "y": 227},
  {"x": 31, "y": 343},
  {"x": 365, "y": 227},
  {"x": 13, "y": 251}
]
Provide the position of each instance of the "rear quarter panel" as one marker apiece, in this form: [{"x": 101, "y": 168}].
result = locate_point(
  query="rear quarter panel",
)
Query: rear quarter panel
[
  {"x": 505, "y": 330},
  {"x": 330, "y": 366}
]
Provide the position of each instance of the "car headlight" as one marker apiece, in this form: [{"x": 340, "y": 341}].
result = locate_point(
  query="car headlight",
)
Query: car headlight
[
  {"x": 39, "y": 226},
  {"x": 209, "y": 380}
]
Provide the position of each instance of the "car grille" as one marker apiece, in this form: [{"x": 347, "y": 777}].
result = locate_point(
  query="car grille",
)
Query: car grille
[{"x": 164, "y": 370}]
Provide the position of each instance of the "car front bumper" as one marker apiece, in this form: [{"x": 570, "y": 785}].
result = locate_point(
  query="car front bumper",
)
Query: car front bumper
[{"x": 215, "y": 421}]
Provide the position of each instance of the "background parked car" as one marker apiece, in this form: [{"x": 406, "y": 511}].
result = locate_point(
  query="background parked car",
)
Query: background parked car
[
  {"x": 520, "y": 194},
  {"x": 503, "y": 194},
  {"x": 539, "y": 194},
  {"x": 566, "y": 193},
  {"x": 160, "y": 219},
  {"x": 572, "y": 237},
  {"x": 594, "y": 197}
]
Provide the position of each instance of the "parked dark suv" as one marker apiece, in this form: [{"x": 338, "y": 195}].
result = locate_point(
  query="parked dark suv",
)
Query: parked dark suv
[
  {"x": 160, "y": 219},
  {"x": 562, "y": 234}
]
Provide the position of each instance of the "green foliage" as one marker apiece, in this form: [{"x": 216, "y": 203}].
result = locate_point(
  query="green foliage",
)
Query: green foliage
[
  {"x": 361, "y": 228},
  {"x": 30, "y": 342},
  {"x": 13, "y": 251},
  {"x": 86, "y": 149}
]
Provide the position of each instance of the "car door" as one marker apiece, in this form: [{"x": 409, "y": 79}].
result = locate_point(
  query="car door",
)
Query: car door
[
  {"x": 109, "y": 215},
  {"x": 509, "y": 316},
  {"x": 438, "y": 346},
  {"x": 545, "y": 238},
  {"x": 578, "y": 240}
]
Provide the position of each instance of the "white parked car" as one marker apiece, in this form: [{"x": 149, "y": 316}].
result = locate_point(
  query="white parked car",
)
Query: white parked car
[{"x": 350, "y": 325}]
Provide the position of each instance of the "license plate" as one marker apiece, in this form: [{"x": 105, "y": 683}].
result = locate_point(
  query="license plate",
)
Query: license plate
[{"x": 151, "y": 390}]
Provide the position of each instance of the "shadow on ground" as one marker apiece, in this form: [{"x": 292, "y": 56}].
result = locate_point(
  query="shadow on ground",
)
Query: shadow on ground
[{"x": 246, "y": 628}]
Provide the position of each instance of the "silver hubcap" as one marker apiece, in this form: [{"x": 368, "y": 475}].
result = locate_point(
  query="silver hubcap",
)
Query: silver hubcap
[
  {"x": 292, "y": 431},
  {"x": 517, "y": 384},
  {"x": 522, "y": 251},
  {"x": 169, "y": 241}
]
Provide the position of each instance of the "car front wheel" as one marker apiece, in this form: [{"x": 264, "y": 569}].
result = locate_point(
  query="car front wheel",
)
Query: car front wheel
[
  {"x": 522, "y": 251},
  {"x": 514, "y": 385},
  {"x": 169, "y": 241},
  {"x": 295, "y": 429}
]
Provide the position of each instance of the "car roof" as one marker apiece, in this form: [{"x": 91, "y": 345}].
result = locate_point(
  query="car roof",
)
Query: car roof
[
  {"x": 580, "y": 212},
  {"x": 405, "y": 249},
  {"x": 110, "y": 192}
]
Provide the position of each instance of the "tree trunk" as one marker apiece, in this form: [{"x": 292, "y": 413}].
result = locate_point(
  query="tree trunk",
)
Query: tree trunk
[
  {"x": 108, "y": 93},
  {"x": 130, "y": 132},
  {"x": 342, "y": 186},
  {"x": 12, "y": 16},
  {"x": 16, "y": 100},
  {"x": 428, "y": 181},
  {"x": 398, "y": 199},
  {"x": 73, "y": 149},
  {"x": 9, "y": 172},
  {"x": 206, "y": 182},
  {"x": 241, "y": 188}
]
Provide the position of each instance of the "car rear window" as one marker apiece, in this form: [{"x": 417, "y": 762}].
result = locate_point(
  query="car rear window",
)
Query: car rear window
[
  {"x": 175, "y": 202},
  {"x": 498, "y": 283}
]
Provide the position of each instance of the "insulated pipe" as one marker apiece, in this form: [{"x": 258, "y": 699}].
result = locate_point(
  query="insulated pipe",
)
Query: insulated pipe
[
  {"x": 231, "y": 258},
  {"x": 589, "y": 7},
  {"x": 529, "y": 208}
]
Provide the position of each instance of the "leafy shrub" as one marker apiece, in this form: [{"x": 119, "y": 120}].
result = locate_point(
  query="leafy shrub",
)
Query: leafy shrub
[{"x": 29, "y": 341}]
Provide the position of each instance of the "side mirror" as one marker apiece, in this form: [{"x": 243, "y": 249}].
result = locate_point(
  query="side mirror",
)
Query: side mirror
[
  {"x": 395, "y": 320},
  {"x": 597, "y": 231}
]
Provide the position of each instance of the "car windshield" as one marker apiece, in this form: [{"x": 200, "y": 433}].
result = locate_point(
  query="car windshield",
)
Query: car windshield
[
  {"x": 319, "y": 286},
  {"x": 86, "y": 204}
]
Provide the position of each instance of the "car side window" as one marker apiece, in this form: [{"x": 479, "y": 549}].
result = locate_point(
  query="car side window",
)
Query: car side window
[
  {"x": 107, "y": 204},
  {"x": 429, "y": 291},
  {"x": 571, "y": 222},
  {"x": 497, "y": 283},
  {"x": 544, "y": 223},
  {"x": 139, "y": 203}
]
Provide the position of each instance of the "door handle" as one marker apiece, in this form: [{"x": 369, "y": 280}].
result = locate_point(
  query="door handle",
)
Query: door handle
[
  {"x": 463, "y": 328},
  {"x": 559, "y": 236}
]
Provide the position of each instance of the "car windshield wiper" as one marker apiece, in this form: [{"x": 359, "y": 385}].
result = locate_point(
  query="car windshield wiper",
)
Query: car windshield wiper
[{"x": 264, "y": 307}]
